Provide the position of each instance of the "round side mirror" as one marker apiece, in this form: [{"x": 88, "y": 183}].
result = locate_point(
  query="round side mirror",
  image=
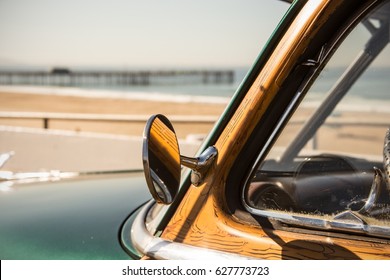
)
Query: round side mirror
[{"x": 161, "y": 159}]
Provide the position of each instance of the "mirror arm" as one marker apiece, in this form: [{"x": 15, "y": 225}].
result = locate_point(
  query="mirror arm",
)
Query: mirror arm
[
  {"x": 199, "y": 165},
  {"x": 191, "y": 163}
]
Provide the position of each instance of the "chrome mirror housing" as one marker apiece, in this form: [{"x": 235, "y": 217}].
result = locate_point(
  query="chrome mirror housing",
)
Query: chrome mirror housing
[{"x": 162, "y": 160}]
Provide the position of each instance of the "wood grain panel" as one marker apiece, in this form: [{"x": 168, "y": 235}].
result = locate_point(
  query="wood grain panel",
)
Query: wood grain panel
[{"x": 202, "y": 218}]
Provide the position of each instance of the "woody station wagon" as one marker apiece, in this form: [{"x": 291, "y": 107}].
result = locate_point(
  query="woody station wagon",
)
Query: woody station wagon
[{"x": 297, "y": 166}]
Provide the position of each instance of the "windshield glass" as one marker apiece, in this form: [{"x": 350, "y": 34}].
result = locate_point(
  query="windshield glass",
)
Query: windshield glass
[{"x": 76, "y": 90}]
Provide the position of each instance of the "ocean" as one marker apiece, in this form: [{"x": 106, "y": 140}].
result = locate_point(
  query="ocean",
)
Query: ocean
[
  {"x": 182, "y": 89},
  {"x": 372, "y": 88}
]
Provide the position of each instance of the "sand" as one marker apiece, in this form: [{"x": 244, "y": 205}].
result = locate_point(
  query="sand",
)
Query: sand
[
  {"x": 357, "y": 138},
  {"x": 27, "y": 102}
]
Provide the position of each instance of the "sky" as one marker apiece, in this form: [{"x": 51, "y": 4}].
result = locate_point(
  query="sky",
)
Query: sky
[{"x": 135, "y": 33}]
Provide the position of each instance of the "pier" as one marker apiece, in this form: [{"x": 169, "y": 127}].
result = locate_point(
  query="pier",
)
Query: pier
[{"x": 67, "y": 77}]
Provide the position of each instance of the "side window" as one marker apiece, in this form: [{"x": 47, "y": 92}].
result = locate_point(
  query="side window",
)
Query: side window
[{"x": 329, "y": 167}]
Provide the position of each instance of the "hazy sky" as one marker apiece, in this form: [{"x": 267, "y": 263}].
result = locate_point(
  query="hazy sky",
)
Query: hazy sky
[{"x": 135, "y": 33}]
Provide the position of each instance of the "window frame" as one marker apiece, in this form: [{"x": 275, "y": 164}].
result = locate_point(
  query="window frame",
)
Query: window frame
[{"x": 294, "y": 219}]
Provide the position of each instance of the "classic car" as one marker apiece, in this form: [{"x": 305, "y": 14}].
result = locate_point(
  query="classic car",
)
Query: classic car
[{"x": 297, "y": 166}]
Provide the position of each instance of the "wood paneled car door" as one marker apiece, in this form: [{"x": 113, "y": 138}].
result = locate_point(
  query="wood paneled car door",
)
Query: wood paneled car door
[{"x": 264, "y": 197}]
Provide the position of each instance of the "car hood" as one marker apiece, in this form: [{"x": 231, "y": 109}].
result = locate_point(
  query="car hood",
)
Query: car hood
[{"x": 78, "y": 218}]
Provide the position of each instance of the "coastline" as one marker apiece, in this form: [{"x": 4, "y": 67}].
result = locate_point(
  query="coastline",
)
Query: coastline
[
  {"x": 83, "y": 101},
  {"x": 121, "y": 140},
  {"x": 87, "y": 101},
  {"x": 157, "y": 96}
]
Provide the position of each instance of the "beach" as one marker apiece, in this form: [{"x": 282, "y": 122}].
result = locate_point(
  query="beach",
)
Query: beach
[
  {"x": 70, "y": 101},
  {"x": 114, "y": 143},
  {"x": 23, "y": 101},
  {"x": 118, "y": 137}
]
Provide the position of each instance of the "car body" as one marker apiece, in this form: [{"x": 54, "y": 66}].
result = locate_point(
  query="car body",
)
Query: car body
[
  {"x": 74, "y": 218},
  {"x": 297, "y": 167}
]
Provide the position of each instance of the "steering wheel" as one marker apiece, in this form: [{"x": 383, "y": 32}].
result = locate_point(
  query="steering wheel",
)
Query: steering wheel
[{"x": 379, "y": 177}]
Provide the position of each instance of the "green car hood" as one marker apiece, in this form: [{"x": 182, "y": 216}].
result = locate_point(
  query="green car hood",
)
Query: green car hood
[{"x": 76, "y": 218}]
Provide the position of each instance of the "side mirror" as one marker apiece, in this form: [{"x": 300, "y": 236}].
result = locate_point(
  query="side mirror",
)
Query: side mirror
[{"x": 162, "y": 160}]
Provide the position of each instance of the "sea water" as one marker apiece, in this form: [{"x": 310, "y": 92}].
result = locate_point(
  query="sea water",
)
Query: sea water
[
  {"x": 182, "y": 89},
  {"x": 372, "y": 89}
]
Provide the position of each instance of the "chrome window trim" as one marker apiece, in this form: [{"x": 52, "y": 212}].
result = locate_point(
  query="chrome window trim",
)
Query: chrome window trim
[{"x": 348, "y": 224}]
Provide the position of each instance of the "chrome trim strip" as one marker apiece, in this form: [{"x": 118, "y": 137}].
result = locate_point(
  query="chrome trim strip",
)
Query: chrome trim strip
[
  {"x": 345, "y": 225},
  {"x": 160, "y": 249}
]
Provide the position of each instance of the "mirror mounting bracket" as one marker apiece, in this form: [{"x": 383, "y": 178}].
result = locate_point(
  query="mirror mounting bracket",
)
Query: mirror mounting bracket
[{"x": 200, "y": 165}]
